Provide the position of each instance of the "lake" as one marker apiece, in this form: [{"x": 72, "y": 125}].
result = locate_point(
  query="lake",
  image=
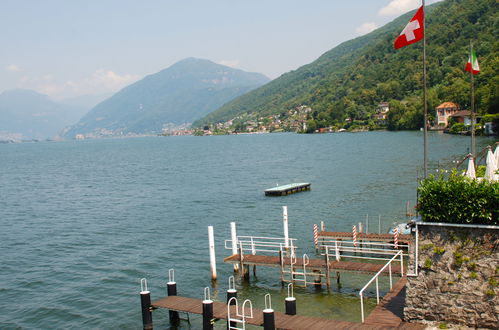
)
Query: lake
[{"x": 83, "y": 221}]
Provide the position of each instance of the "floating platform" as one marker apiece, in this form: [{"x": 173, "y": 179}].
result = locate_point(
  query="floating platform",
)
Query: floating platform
[{"x": 287, "y": 189}]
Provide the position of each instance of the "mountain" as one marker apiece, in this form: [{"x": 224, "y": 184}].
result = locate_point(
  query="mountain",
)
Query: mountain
[
  {"x": 353, "y": 78},
  {"x": 186, "y": 91},
  {"x": 26, "y": 115},
  {"x": 85, "y": 101}
]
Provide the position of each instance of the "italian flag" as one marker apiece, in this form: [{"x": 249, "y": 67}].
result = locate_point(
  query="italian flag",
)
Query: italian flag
[{"x": 475, "y": 68}]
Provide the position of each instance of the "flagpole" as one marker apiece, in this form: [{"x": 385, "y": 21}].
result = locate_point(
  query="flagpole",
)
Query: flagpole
[
  {"x": 425, "y": 129},
  {"x": 472, "y": 104}
]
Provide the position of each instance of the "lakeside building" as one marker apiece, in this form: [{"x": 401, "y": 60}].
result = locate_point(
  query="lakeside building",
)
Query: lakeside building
[
  {"x": 444, "y": 111},
  {"x": 463, "y": 117}
]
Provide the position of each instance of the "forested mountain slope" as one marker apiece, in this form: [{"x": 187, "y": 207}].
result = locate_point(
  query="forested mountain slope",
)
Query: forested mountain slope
[{"x": 354, "y": 77}]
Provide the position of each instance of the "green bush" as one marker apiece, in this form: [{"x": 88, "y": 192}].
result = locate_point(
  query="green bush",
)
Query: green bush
[
  {"x": 456, "y": 128},
  {"x": 459, "y": 200}
]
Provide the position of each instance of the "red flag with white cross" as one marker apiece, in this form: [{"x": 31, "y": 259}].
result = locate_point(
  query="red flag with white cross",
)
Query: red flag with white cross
[{"x": 413, "y": 31}]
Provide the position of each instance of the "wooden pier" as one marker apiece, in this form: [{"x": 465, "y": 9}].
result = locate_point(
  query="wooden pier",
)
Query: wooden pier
[
  {"x": 287, "y": 189},
  {"x": 313, "y": 264},
  {"x": 386, "y": 316}
]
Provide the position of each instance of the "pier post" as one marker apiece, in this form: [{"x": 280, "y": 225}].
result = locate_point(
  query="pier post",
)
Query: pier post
[
  {"x": 323, "y": 226},
  {"x": 281, "y": 262},
  {"x": 290, "y": 301},
  {"x": 213, "y": 264},
  {"x": 317, "y": 279},
  {"x": 171, "y": 288},
  {"x": 268, "y": 315},
  {"x": 290, "y": 305},
  {"x": 316, "y": 238},
  {"x": 207, "y": 310},
  {"x": 328, "y": 272},
  {"x": 367, "y": 223},
  {"x": 379, "y": 224},
  {"x": 285, "y": 225},
  {"x": 145, "y": 302},
  {"x": 338, "y": 277},
  {"x": 233, "y": 235}
]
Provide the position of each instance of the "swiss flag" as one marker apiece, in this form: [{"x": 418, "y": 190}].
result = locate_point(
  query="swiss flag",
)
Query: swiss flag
[{"x": 413, "y": 31}]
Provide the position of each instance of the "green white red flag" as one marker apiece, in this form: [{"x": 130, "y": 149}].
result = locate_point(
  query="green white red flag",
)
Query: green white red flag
[{"x": 475, "y": 68}]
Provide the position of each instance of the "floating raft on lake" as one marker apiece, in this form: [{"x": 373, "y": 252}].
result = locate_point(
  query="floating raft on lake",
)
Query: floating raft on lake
[{"x": 287, "y": 189}]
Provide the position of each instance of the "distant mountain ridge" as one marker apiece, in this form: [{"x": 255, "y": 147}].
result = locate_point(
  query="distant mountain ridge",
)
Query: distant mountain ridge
[
  {"x": 350, "y": 80},
  {"x": 27, "y": 115},
  {"x": 180, "y": 94}
]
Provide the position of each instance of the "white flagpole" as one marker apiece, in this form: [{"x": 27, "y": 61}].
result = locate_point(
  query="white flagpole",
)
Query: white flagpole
[
  {"x": 472, "y": 104},
  {"x": 425, "y": 137}
]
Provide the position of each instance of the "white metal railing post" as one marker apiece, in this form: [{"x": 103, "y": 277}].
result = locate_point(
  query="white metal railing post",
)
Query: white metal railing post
[
  {"x": 375, "y": 277},
  {"x": 377, "y": 290},
  {"x": 390, "y": 272},
  {"x": 285, "y": 225},
  {"x": 416, "y": 263},
  {"x": 402, "y": 264},
  {"x": 253, "y": 251},
  {"x": 362, "y": 306}
]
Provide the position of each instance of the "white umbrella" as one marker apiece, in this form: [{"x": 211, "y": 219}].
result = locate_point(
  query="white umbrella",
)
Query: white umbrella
[
  {"x": 491, "y": 167},
  {"x": 470, "y": 172},
  {"x": 496, "y": 155}
]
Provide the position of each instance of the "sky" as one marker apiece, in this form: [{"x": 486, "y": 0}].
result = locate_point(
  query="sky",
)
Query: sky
[{"x": 65, "y": 48}]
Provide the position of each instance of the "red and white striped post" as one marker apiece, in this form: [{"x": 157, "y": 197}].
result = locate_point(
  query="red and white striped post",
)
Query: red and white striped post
[
  {"x": 396, "y": 237},
  {"x": 354, "y": 233},
  {"x": 316, "y": 237}
]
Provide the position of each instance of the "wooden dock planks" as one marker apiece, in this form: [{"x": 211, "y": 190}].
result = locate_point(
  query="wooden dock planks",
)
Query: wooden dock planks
[
  {"x": 314, "y": 264},
  {"x": 387, "y": 315},
  {"x": 282, "y": 321},
  {"x": 391, "y": 309}
]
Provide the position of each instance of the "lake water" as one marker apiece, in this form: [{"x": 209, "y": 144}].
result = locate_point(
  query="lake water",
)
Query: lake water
[{"x": 83, "y": 221}]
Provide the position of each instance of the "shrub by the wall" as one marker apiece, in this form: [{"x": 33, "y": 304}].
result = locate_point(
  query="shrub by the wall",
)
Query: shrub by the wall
[{"x": 459, "y": 200}]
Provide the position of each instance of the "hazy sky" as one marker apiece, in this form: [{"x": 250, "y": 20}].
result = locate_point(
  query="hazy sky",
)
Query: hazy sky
[{"x": 66, "y": 48}]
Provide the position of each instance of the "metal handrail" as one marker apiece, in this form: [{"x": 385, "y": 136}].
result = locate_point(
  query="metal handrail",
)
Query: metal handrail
[
  {"x": 360, "y": 252},
  {"x": 254, "y": 244},
  {"x": 242, "y": 315},
  {"x": 381, "y": 244},
  {"x": 375, "y": 277}
]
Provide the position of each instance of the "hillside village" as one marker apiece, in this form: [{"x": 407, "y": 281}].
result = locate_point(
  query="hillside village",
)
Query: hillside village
[{"x": 448, "y": 117}]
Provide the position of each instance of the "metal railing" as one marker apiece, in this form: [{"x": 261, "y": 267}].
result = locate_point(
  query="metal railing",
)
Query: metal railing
[
  {"x": 364, "y": 250},
  {"x": 375, "y": 277},
  {"x": 254, "y": 244},
  {"x": 240, "y": 316}
]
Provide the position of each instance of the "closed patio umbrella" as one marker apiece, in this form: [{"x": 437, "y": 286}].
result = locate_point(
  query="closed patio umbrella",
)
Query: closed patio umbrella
[
  {"x": 491, "y": 167},
  {"x": 470, "y": 172}
]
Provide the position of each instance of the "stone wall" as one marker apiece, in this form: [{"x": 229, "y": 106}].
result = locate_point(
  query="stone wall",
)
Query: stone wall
[{"x": 458, "y": 277}]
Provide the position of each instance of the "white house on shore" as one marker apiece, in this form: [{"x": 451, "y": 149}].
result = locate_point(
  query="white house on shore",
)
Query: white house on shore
[{"x": 444, "y": 111}]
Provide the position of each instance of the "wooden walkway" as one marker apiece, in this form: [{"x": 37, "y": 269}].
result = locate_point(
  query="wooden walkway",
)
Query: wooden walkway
[
  {"x": 390, "y": 311},
  {"x": 404, "y": 239},
  {"x": 314, "y": 264},
  {"x": 387, "y": 315}
]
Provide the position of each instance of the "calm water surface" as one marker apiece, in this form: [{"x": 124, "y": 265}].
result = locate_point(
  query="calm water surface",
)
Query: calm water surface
[{"x": 83, "y": 221}]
